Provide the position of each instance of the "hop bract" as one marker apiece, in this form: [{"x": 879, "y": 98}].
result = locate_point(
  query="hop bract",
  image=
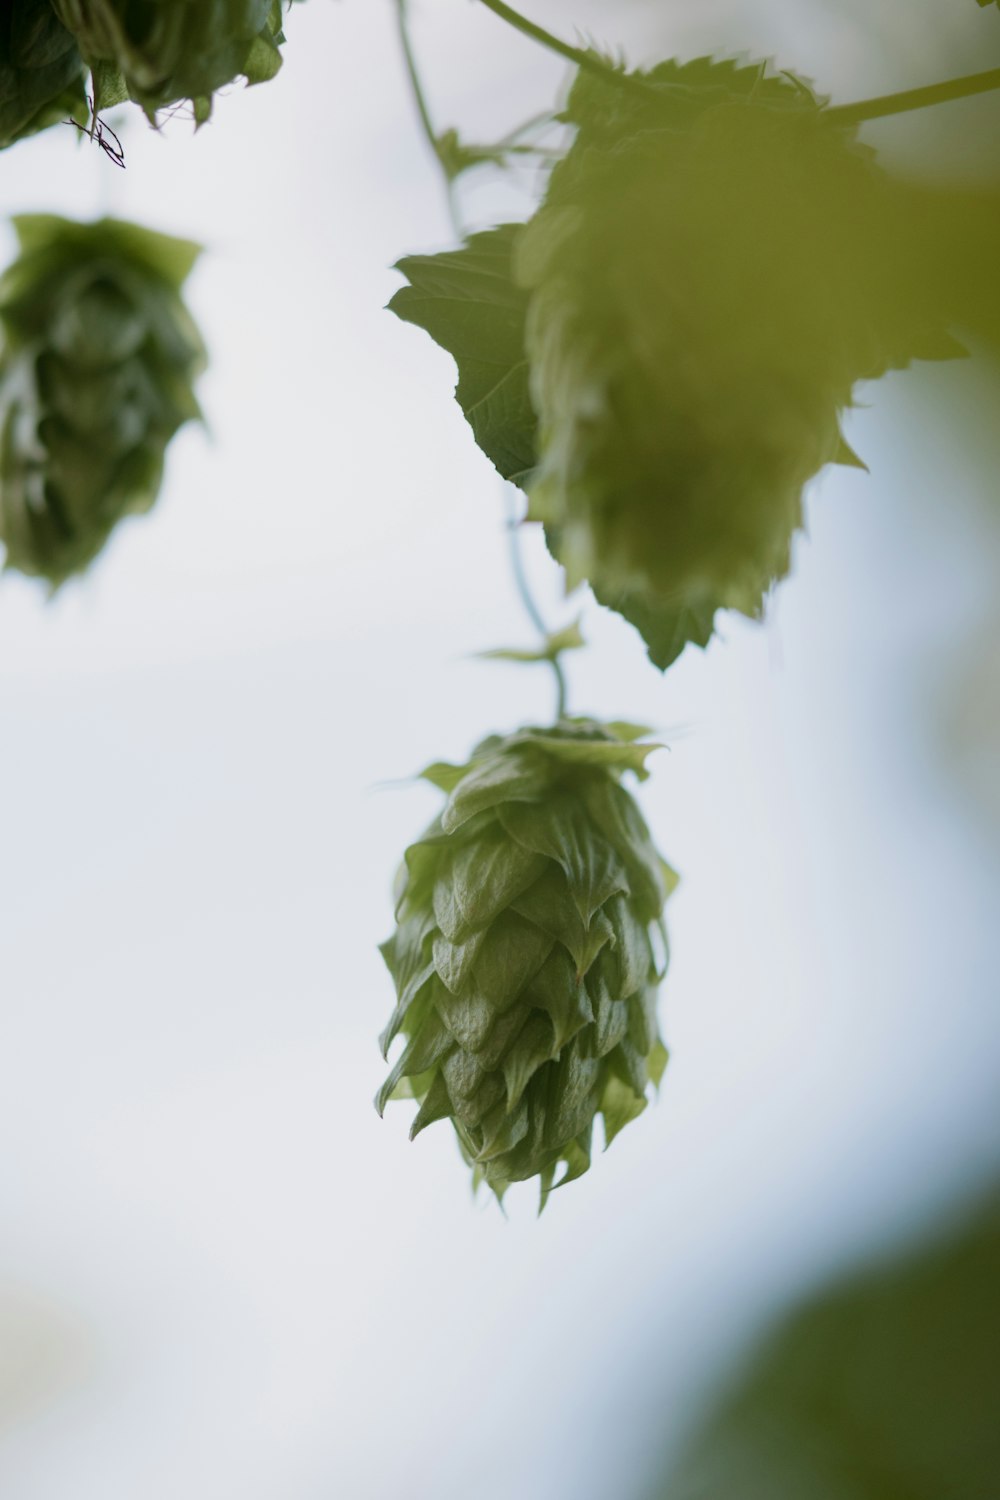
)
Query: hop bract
[
  {"x": 528, "y": 953},
  {"x": 716, "y": 265},
  {"x": 96, "y": 370},
  {"x": 41, "y": 71},
  {"x": 168, "y": 50}
]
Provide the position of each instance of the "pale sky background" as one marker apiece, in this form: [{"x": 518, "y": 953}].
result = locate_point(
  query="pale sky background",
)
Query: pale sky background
[{"x": 221, "y": 1276}]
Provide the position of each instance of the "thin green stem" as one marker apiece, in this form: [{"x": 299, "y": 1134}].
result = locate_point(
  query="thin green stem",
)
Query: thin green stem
[
  {"x": 922, "y": 98},
  {"x": 423, "y": 111},
  {"x": 586, "y": 60},
  {"x": 527, "y": 599},
  {"x": 513, "y": 524}
]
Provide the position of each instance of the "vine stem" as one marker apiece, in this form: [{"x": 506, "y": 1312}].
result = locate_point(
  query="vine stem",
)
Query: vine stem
[
  {"x": 922, "y": 98},
  {"x": 527, "y": 599},
  {"x": 586, "y": 60},
  {"x": 846, "y": 114},
  {"x": 513, "y": 524},
  {"x": 423, "y": 110}
]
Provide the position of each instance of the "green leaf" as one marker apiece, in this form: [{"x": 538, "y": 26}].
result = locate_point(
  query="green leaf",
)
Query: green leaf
[
  {"x": 611, "y": 1015},
  {"x": 548, "y": 904},
  {"x": 623, "y": 730},
  {"x": 491, "y": 782},
  {"x": 608, "y": 754},
  {"x": 443, "y": 775},
  {"x": 468, "y": 302},
  {"x": 419, "y": 1054},
  {"x": 535, "y": 1045},
  {"x": 558, "y": 990},
  {"x": 482, "y": 880},
  {"x": 630, "y": 956},
  {"x": 560, "y": 829},
  {"x": 665, "y": 628},
  {"x": 167, "y": 51},
  {"x": 619, "y": 1107},
  {"x": 107, "y": 85},
  {"x": 569, "y": 639},
  {"x": 510, "y": 956},
  {"x": 436, "y": 1106},
  {"x": 620, "y": 821},
  {"x": 42, "y": 76},
  {"x": 657, "y": 1063}
]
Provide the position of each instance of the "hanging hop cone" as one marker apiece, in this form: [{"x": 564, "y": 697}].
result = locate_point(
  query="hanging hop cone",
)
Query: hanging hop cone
[
  {"x": 528, "y": 953},
  {"x": 160, "y": 51},
  {"x": 96, "y": 370},
  {"x": 41, "y": 71},
  {"x": 715, "y": 266}
]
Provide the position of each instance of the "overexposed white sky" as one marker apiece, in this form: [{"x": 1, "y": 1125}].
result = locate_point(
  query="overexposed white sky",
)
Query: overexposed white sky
[{"x": 221, "y": 1276}]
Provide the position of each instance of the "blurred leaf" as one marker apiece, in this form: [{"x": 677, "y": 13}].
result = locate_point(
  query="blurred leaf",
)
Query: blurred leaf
[
  {"x": 171, "y": 50},
  {"x": 886, "y": 1386},
  {"x": 42, "y": 76},
  {"x": 569, "y": 639}
]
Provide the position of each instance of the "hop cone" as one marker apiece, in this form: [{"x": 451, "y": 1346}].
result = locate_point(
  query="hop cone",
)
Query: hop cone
[
  {"x": 41, "y": 71},
  {"x": 168, "y": 50},
  {"x": 525, "y": 956},
  {"x": 715, "y": 267},
  {"x": 99, "y": 354}
]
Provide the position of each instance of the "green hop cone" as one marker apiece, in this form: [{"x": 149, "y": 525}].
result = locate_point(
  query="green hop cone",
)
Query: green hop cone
[
  {"x": 96, "y": 369},
  {"x": 41, "y": 71},
  {"x": 160, "y": 51},
  {"x": 528, "y": 953},
  {"x": 715, "y": 267}
]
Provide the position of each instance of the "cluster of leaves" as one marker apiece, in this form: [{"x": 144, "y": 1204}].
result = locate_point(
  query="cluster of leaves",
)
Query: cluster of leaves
[
  {"x": 528, "y": 952},
  {"x": 98, "y": 358},
  {"x": 661, "y": 356},
  {"x": 155, "y": 52}
]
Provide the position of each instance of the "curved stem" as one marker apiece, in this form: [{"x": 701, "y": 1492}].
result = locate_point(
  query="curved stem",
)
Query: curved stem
[
  {"x": 586, "y": 60},
  {"x": 527, "y": 599},
  {"x": 423, "y": 111},
  {"x": 922, "y": 98},
  {"x": 513, "y": 524}
]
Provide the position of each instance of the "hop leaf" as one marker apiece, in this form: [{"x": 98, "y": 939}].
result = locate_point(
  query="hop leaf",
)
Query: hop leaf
[
  {"x": 41, "y": 71},
  {"x": 469, "y": 303},
  {"x": 99, "y": 354},
  {"x": 709, "y": 277},
  {"x": 525, "y": 955},
  {"x": 169, "y": 50},
  {"x": 716, "y": 266}
]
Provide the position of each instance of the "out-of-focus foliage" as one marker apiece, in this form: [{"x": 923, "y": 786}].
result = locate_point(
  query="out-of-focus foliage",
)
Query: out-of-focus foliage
[
  {"x": 96, "y": 369},
  {"x": 158, "y": 52},
  {"x": 711, "y": 274},
  {"x": 884, "y": 1387},
  {"x": 41, "y": 71},
  {"x": 661, "y": 356},
  {"x": 525, "y": 956}
]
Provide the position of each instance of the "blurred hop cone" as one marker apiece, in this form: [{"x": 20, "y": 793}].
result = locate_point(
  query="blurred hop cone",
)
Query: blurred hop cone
[
  {"x": 96, "y": 370},
  {"x": 715, "y": 266},
  {"x": 41, "y": 71},
  {"x": 528, "y": 953},
  {"x": 162, "y": 51}
]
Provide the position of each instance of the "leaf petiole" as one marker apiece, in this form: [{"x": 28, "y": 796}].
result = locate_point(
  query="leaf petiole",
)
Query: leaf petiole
[
  {"x": 922, "y": 98},
  {"x": 531, "y": 608},
  {"x": 589, "y": 61}
]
